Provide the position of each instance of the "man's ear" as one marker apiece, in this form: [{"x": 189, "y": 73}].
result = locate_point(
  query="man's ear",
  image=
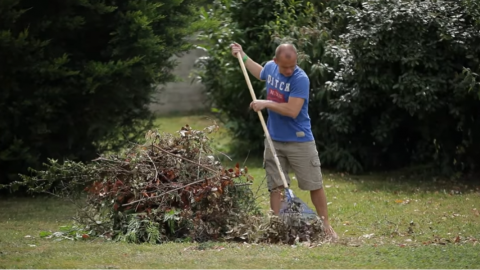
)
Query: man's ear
[{"x": 275, "y": 60}]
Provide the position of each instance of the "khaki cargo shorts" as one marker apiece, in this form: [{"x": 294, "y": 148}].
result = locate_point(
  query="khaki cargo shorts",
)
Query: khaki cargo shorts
[{"x": 301, "y": 157}]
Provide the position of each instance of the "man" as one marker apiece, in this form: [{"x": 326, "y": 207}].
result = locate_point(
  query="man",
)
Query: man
[{"x": 288, "y": 88}]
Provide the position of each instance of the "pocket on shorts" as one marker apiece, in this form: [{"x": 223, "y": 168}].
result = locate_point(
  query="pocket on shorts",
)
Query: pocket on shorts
[{"x": 316, "y": 162}]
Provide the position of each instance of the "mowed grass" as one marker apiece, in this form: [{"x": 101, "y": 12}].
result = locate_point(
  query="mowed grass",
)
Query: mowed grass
[{"x": 383, "y": 220}]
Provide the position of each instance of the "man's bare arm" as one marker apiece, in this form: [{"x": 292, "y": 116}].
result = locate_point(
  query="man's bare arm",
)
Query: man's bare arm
[
  {"x": 253, "y": 67},
  {"x": 291, "y": 109}
]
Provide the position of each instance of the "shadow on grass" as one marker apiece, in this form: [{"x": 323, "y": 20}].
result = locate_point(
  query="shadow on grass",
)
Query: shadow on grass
[
  {"x": 393, "y": 182},
  {"x": 399, "y": 181},
  {"x": 30, "y": 208}
]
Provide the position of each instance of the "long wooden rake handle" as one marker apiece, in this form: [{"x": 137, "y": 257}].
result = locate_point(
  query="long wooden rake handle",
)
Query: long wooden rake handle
[{"x": 260, "y": 115}]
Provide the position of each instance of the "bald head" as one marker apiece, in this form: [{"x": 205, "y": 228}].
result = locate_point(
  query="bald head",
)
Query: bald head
[
  {"x": 288, "y": 51},
  {"x": 286, "y": 59}
]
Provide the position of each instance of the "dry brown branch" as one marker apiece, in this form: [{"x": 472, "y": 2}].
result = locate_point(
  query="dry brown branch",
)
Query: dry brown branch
[
  {"x": 167, "y": 192},
  {"x": 186, "y": 159}
]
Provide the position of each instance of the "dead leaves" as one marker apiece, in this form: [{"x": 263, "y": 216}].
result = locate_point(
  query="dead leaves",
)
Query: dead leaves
[
  {"x": 368, "y": 236},
  {"x": 204, "y": 246},
  {"x": 291, "y": 229},
  {"x": 168, "y": 188},
  {"x": 442, "y": 241},
  {"x": 403, "y": 202}
]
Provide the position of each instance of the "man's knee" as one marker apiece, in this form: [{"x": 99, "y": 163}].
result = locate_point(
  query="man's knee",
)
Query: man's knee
[
  {"x": 316, "y": 192},
  {"x": 277, "y": 189}
]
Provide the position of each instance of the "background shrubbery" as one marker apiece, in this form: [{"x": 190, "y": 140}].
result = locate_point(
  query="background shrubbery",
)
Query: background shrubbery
[
  {"x": 77, "y": 76},
  {"x": 393, "y": 83}
]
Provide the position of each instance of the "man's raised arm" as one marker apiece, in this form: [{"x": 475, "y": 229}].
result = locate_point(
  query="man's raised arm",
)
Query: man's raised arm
[{"x": 253, "y": 67}]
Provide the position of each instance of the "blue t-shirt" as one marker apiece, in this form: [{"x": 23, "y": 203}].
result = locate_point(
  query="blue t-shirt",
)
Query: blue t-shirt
[{"x": 279, "y": 89}]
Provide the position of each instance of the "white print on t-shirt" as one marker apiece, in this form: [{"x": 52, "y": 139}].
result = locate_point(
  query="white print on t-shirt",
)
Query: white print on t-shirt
[{"x": 278, "y": 84}]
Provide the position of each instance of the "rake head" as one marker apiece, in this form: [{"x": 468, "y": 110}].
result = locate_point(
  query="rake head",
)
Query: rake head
[{"x": 294, "y": 209}]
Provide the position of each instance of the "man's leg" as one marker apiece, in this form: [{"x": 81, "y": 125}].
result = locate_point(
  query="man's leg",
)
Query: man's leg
[
  {"x": 276, "y": 200},
  {"x": 305, "y": 162},
  {"x": 319, "y": 200},
  {"x": 274, "y": 181}
]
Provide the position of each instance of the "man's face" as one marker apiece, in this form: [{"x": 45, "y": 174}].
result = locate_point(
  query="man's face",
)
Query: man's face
[{"x": 286, "y": 64}]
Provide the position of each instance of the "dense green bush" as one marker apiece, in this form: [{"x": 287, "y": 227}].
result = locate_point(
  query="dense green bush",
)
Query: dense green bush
[
  {"x": 77, "y": 76},
  {"x": 393, "y": 83},
  {"x": 406, "y": 93}
]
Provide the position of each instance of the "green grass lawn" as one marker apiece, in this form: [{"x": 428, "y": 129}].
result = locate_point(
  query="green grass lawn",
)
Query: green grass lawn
[{"x": 383, "y": 220}]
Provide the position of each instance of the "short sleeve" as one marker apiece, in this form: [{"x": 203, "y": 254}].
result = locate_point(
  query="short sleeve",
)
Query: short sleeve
[
  {"x": 263, "y": 75},
  {"x": 300, "y": 88}
]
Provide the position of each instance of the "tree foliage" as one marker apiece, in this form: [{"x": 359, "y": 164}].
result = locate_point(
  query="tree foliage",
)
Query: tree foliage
[
  {"x": 77, "y": 76},
  {"x": 393, "y": 83}
]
